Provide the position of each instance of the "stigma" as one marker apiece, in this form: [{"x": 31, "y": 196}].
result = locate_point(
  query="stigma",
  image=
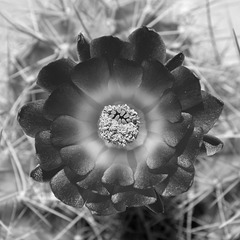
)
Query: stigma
[{"x": 118, "y": 125}]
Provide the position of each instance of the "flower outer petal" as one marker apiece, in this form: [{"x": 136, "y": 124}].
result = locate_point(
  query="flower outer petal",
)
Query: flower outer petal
[
  {"x": 178, "y": 183},
  {"x": 156, "y": 79},
  {"x": 108, "y": 46},
  {"x": 132, "y": 197},
  {"x": 100, "y": 205},
  {"x": 68, "y": 100},
  {"x": 147, "y": 45},
  {"x": 187, "y": 87},
  {"x": 72, "y": 176},
  {"x": 66, "y": 130},
  {"x": 55, "y": 74},
  {"x": 40, "y": 175},
  {"x": 145, "y": 179},
  {"x": 206, "y": 114},
  {"x": 175, "y": 62},
  {"x": 92, "y": 77},
  {"x": 83, "y": 48},
  {"x": 65, "y": 191},
  {"x": 168, "y": 107},
  {"x": 31, "y": 119},
  {"x": 48, "y": 156},
  {"x": 211, "y": 145},
  {"x": 187, "y": 158},
  {"x": 127, "y": 75}
]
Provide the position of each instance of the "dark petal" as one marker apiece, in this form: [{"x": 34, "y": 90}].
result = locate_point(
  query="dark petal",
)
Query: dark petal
[
  {"x": 65, "y": 191},
  {"x": 168, "y": 107},
  {"x": 178, "y": 183},
  {"x": 108, "y": 46},
  {"x": 187, "y": 158},
  {"x": 91, "y": 76},
  {"x": 175, "y": 62},
  {"x": 30, "y": 118},
  {"x": 145, "y": 179},
  {"x": 48, "y": 156},
  {"x": 67, "y": 131},
  {"x": 72, "y": 176},
  {"x": 77, "y": 159},
  {"x": 100, "y": 205},
  {"x": 174, "y": 132},
  {"x": 83, "y": 48},
  {"x": 40, "y": 175},
  {"x": 206, "y": 114},
  {"x": 159, "y": 154},
  {"x": 118, "y": 174},
  {"x": 156, "y": 78},
  {"x": 148, "y": 45},
  {"x": 66, "y": 100},
  {"x": 187, "y": 87},
  {"x": 127, "y": 74},
  {"x": 158, "y": 206},
  {"x": 211, "y": 145},
  {"x": 93, "y": 182},
  {"x": 131, "y": 197},
  {"x": 55, "y": 74}
]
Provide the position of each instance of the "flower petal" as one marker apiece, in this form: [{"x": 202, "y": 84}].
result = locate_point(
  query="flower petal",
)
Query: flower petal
[
  {"x": 168, "y": 107},
  {"x": 66, "y": 191},
  {"x": 78, "y": 159},
  {"x": 131, "y": 197},
  {"x": 48, "y": 156},
  {"x": 175, "y": 62},
  {"x": 147, "y": 45},
  {"x": 211, "y": 145},
  {"x": 108, "y": 46},
  {"x": 187, "y": 158},
  {"x": 156, "y": 78},
  {"x": 31, "y": 119},
  {"x": 206, "y": 114},
  {"x": 93, "y": 181},
  {"x": 100, "y": 205},
  {"x": 145, "y": 179},
  {"x": 55, "y": 74},
  {"x": 187, "y": 87},
  {"x": 40, "y": 175},
  {"x": 178, "y": 183},
  {"x": 174, "y": 134},
  {"x": 128, "y": 75},
  {"x": 67, "y": 131},
  {"x": 67, "y": 100},
  {"x": 92, "y": 77},
  {"x": 118, "y": 174},
  {"x": 158, "y": 152},
  {"x": 83, "y": 48}
]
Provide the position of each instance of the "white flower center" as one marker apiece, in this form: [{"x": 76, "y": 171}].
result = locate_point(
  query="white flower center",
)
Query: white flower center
[{"x": 118, "y": 125}]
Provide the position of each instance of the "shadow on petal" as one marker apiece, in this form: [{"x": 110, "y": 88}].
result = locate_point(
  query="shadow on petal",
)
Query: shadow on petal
[{"x": 175, "y": 62}]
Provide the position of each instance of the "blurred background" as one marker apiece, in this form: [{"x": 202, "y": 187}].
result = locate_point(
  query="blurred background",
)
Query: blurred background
[{"x": 36, "y": 32}]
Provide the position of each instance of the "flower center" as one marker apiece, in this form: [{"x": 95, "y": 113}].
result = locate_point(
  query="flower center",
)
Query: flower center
[{"x": 118, "y": 125}]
